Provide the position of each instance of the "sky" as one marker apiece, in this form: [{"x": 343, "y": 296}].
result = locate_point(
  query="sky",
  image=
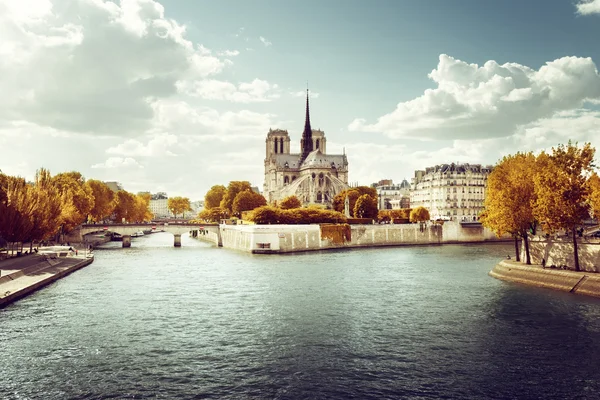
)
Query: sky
[{"x": 177, "y": 96}]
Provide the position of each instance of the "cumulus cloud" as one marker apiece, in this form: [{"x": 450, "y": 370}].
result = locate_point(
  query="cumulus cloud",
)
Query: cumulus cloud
[
  {"x": 491, "y": 100},
  {"x": 265, "y": 41},
  {"x": 181, "y": 118},
  {"x": 118, "y": 162},
  {"x": 94, "y": 65},
  {"x": 587, "y": 7},
  {"x": 247, "y": 92},
  {"x": 158, "y": 145}
]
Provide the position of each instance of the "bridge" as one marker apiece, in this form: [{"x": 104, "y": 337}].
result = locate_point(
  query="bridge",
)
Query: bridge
[{"x": 177, "y": 229}]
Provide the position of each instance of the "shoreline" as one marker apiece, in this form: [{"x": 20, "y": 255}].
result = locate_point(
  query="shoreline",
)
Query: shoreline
[
  {"x": 577, "y": 282},
  {"x": 36, "y": 272}
]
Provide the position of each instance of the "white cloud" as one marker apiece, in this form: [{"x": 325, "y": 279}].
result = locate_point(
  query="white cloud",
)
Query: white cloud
[
  {"x": 158, "y": 145},
  {"x": 118, "y": 162},
  {"x": 265, "y": 41},
  {"x": 95, "y": 67},
  {"x": 587, "y": 7},
  {"x": 228, "y": 53},
  {"x": 492, "y": 100},
  {"x": 302, "y": 93},
  {"x": 256, "y": 91}
]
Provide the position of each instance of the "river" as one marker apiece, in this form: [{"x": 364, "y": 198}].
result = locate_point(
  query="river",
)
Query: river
[{"x": 154, "y": 321}]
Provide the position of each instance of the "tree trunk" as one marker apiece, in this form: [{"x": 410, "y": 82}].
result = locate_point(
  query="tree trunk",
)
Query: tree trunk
[
  {"x": 517, "y": 250},
  {"x": 527, "y": 256},
  {"x": 575, "y": 252}
]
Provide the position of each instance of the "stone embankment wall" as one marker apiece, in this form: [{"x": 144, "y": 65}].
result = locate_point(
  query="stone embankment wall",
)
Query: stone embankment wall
[
  {"x": 293, "y": 238},
  {"x": 559, "y": 252},
  {"x": 535, "y": 275}
]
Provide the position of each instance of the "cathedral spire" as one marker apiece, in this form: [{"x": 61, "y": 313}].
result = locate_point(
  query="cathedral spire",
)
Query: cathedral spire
[{"x": 306, "y": 144}]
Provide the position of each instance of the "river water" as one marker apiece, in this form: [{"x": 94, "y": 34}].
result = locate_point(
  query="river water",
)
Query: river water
[{"x": 155, "y": 321}]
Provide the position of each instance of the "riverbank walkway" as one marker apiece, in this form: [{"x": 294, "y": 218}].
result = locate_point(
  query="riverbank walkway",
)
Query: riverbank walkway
[
  {"x": 21, "y": 276},
  {"x": 578, "y": 282}
]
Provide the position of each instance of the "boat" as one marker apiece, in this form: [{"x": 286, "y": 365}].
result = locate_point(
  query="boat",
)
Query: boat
[{"x": 138, "y": 234}]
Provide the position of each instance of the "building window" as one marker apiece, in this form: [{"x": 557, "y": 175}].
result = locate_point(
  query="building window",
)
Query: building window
[
  {"x": 281, "y": 145},
  {"x": 317, "y": 145}
]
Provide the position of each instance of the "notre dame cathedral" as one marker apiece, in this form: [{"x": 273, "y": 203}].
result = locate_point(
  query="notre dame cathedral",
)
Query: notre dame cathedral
[{"x": 313, "y": 176}]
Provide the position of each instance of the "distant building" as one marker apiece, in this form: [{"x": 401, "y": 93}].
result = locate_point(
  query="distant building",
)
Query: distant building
[
  {"x": 313, "y": 176},
  {"x": 159, "y": 205},
  {"x": 197, "y": 206},
  {"x": 451, "y": 191},
  {"x": 390, "y": 196},
  {"x": 114, "y": 186}
]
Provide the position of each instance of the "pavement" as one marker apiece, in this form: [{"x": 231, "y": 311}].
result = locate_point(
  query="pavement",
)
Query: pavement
[{"x": 22, "y": 275}]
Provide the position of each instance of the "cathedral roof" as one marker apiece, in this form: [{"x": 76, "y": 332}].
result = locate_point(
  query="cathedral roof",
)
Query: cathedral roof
[{"x": 316, "y": 159}]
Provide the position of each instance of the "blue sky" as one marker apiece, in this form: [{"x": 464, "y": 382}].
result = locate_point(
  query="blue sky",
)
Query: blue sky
[{"x": 178, "y": 95}]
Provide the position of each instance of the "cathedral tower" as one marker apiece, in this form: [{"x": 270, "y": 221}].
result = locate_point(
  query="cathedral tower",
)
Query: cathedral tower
[{"x": 306, "y": 144}]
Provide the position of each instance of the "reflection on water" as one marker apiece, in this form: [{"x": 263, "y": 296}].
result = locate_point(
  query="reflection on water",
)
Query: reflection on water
[{"x": 410, "y": 322}]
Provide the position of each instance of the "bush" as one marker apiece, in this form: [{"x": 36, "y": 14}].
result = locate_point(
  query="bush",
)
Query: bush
[{"x": 272, "y": 215}]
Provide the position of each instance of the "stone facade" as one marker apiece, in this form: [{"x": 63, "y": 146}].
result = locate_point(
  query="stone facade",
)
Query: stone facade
[
  {"x": 312, "y": 175},
  {"x": 451, "y": 191}
]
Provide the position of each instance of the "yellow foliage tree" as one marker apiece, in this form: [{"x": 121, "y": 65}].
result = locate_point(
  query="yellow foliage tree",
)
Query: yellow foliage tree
[
  {"x": 594, "y": 195},
  {"x": 247, "y": 201},
  {"x": 509, "y": 200},
  {"x": 48, "y": 213},
  {"x": 16, "y": 216},
  {"x": 365, "y": 207},
  {"x": 215, "y": 214},
  {"x": 561, "y": 189},
  {"x": 233, "y": 189},
  {"x": 178, "y": 205},
  {"x": 77, "y": 197},
  {"x": 103, "y": 200},
  {"x": 214, "y": 196},
  {"x": 290, "y": 202},
  {"x": 419, "y": 214},
  {"x": 353, "y": 195},
  {"x": 124, "y": 206}
]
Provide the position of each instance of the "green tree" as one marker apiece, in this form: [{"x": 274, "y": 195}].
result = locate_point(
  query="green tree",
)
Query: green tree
[
  {"x": 561, "y": 189},
  {"x": 289, "y": 203},
  {"x": 419, "y": 214},
  {"x": 509, "y": 199},
  {"x": 214, "y": 196},
  {"x": 247, "y": 201},
  {"x": 16, "y": 218},
  {"x": 366, "y": 207},
  {"x": 233, "y": 189}
]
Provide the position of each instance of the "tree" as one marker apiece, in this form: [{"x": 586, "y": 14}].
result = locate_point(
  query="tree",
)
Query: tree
[
  {"x": 103, "y": 200},
  {"x": 124, "y": 209},
  {"x": 353, "y": 194},
  {"x": 141, "y": 208},
  {"x": 178, "y": 205},
  {"x": 233, "y": 189},
  {"x": 214, "y": 196},
  {"x": 47, "y": 216},
  {"x": 290, "y": 202},
  {"x": 419, "y": 214},
  {"x": 365, "y": 207},
  {"x": 509, "y": 200},
  {"x": 16, "y": 218},
  {"x": 561, "y": 189},
  {"x": 78, "y": 198},
  {"x": 215, "y": 214},
  {"x": 594, "y": 195},
  {"x": 246, "y": 201}
]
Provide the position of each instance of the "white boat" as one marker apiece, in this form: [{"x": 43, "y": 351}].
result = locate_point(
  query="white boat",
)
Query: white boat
[{"x": 137, "y": 234}]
